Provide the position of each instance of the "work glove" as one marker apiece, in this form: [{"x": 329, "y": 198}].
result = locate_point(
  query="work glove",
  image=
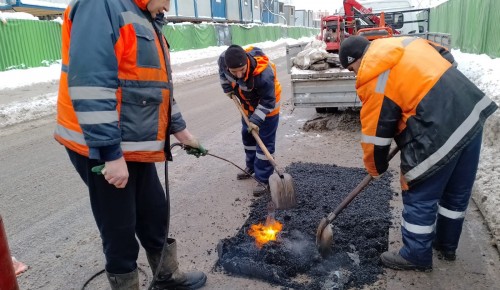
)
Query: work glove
[
  {"x": 200, "y": 151},
  {"x": 230, "y": 95},
  {"x": 251, "y": 127},
  {"x": 194, "y": 147}
]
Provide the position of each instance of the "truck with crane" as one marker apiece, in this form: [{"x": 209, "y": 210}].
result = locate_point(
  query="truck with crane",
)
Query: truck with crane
[{"x": 333, "y": 88}]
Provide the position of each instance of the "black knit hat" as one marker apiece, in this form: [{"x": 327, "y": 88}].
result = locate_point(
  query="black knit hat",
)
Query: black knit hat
[
  {"x": 352, "y": 49},
  {"x": 235, "y": 56}
]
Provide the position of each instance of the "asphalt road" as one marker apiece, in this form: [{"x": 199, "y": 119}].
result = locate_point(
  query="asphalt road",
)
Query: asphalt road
[{"x": 46, "y": 212}]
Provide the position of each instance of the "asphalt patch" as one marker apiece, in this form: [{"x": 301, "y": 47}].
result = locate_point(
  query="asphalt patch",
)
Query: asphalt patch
[{"x": 360, "y": 233}]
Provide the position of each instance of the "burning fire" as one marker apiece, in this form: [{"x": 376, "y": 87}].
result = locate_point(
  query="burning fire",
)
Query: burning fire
[{"x": 264, "y": 233}]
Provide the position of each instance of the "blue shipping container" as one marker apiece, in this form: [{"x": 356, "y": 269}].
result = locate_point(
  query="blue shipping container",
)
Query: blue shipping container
[
  {"x": 219, "y": 9},
  {"x": 267, "y": 11}
]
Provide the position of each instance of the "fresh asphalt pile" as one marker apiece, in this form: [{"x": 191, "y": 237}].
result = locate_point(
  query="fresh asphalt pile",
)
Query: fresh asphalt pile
[{"x": 360, "y": 233}]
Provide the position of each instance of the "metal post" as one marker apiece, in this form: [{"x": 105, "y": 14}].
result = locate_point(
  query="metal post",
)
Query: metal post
[{"x": 7, "y": 275}]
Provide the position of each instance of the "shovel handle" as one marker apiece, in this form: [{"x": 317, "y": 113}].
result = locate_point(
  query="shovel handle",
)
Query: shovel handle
[
  {"x": 257, "y": 137},
  {"x": 357, "y": 189}
]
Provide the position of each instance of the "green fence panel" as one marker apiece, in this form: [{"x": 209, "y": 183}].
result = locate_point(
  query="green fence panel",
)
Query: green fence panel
[
  {"x": 473, "y": 25},
  {"x": 179, "y": 36},
  {"x": 454, "y": 21},
  {"x": 190, "y": 36},
  {"x": 29, "y": 43},
  {"x": 492, "y": 39},
  {"x": 204, "y": 35},
  {"x": 473, "y": 36}
]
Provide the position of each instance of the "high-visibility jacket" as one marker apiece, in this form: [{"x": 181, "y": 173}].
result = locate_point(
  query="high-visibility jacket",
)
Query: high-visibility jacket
[
  {"x": 259, "y": 91},
  {"x": 411, "y": 93},
  {"x": 115, "y": 95}
]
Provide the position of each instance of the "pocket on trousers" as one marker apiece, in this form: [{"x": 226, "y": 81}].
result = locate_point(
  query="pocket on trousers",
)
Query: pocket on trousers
[{"x": 140, "y": 113}]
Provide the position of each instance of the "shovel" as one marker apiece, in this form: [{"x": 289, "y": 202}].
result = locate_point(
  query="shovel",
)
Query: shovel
[
  {"x": 280, "y": 183},
  {"x": 324, "y": 233}
]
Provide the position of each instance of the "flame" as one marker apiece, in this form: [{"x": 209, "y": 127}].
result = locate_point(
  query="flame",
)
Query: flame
[{"x": 264, "y": 233}]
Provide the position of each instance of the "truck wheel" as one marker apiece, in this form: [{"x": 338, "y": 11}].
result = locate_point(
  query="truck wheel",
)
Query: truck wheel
[{"x": 324, "y": 110}]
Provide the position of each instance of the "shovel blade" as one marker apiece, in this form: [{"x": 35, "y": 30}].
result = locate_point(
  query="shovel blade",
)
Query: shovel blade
[
  {"x": 324, "y": 238},
  {"x": 282, "y": 191}
]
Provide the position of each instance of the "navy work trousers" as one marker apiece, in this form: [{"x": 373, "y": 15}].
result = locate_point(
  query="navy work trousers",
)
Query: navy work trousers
[
  {"x": 255, "y": 158},
  {"x": 139, "y": 208},
  {"x": 434, "y": 210}
]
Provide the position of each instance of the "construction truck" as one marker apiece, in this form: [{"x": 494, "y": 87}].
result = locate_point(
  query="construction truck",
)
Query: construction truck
[
  {"x": 328, "y": 89},
  {"x": 357, "y": 20}
]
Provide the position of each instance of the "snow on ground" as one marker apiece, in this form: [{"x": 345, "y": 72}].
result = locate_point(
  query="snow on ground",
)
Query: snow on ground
[
  {"x": 12, "y": 112},
  {"x": 485, "y": 73},
  {"x": 481, "y": 69}
]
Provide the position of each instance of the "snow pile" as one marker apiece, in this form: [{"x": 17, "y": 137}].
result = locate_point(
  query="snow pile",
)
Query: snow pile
[
  {"x": 4, "y": 16},
  {"x": 485, "y": 73}
]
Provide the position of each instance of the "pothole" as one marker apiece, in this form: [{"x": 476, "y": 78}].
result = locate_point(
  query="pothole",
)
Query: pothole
[{"x": 360, "y": 233}]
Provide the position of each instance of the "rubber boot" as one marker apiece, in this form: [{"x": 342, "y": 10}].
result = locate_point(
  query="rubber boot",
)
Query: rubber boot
[
  {"x": 127, "y": 281},
  {"x": 245, "y": 175},
  {"x": 170, "y": 277}
]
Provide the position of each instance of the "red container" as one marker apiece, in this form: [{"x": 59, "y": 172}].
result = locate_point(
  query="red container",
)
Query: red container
[{"x": 7, "y": 275}]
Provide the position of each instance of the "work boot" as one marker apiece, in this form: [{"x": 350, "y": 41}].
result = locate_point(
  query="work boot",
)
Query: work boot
[
  {"x": 245, "y": 175},
  {"x": 170, "y": 277},
  {"x": 127, "y": 281},
  {"x": 394, "y": 261},
  {"x": 443, "y": 254},
  {"x": 259, "y": 190}
]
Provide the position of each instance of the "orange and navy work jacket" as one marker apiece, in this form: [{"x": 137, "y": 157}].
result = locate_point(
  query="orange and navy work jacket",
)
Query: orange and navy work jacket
[
  {"x": 411, "y": 92},
  {"x": 115, "y": 96},
  {"x": 259, "y": 91}
]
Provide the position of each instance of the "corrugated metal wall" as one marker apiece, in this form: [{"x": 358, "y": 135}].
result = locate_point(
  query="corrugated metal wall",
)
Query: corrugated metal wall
[
  {"x": 290, "y": 15},
  {"x": 301, "y": 17},
  {"x": 474, "y": 25},
  {"x": 185, "y": 8},
  {"x": 173, "y": 8},
  {"x": 203, "y": 9},
  {"x": 233, "y": 10},
  {"x": 256, "y": 8},
  {"x": 246, "y": 10},
  {"x": 28, "y": 43}
]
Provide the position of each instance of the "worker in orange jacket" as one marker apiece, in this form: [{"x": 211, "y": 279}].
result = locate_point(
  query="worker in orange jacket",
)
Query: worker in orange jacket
[
  {"x": 250, "y": 76},
  {"x": 116, "y": 106},
  {"x": 412, "y": 92}
]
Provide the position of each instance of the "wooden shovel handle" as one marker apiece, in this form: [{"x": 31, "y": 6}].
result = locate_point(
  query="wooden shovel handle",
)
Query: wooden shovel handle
[
  {"x": 256, "y": 136},
  {"x": 357, "y": 189}
]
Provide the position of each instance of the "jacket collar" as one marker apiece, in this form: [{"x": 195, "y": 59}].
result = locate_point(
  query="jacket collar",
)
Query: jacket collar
[{"x": 142, "y": 4}]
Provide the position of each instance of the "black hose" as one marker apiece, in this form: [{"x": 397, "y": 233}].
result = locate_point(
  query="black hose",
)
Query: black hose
[
  {"x": 186, "y": 147},
  {"x": 167, "y": 224}
]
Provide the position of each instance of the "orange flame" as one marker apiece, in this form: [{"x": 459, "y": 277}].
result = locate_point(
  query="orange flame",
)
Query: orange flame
[{"x": 264, "y": 233}]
